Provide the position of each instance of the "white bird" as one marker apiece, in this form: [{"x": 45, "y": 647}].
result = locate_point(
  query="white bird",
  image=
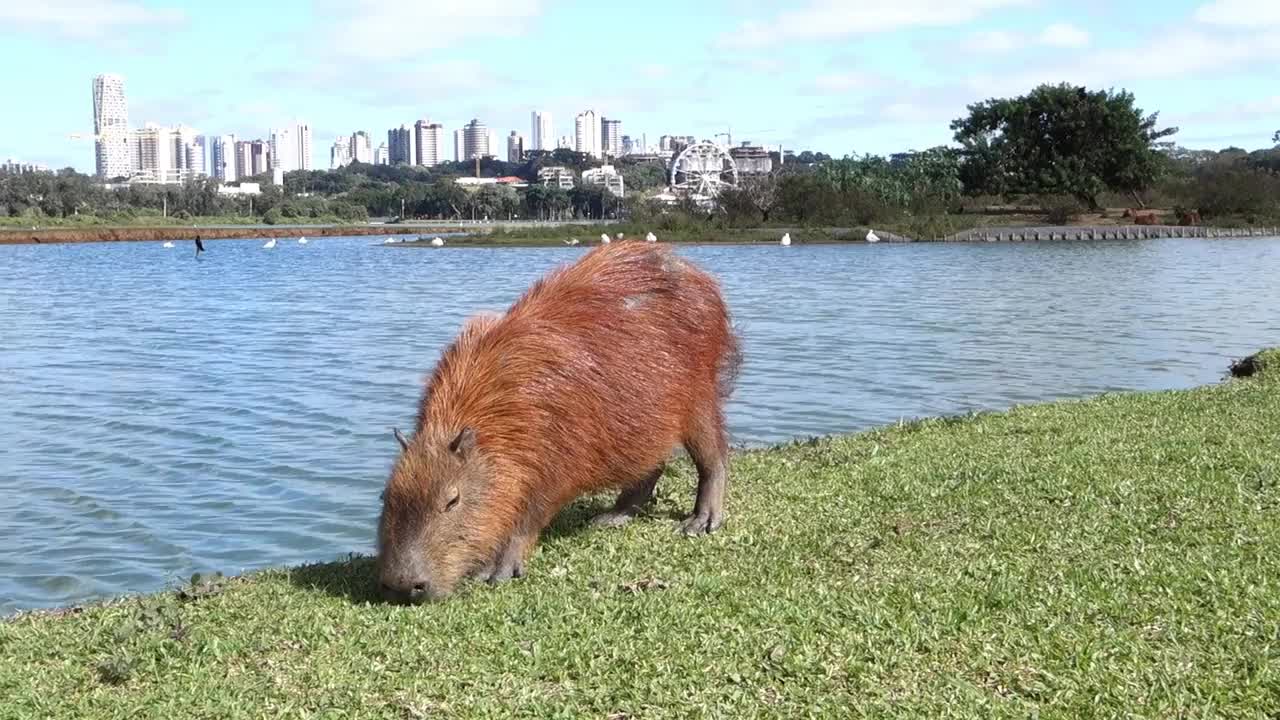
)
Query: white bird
[
  {"x": 270, "y": 244},
  {"x": 604, "y": 239},
  {"x": 389, "y": 241},
  {"x": 619, "y": 236},
  {"x": 786, "y": 239},
  {"x": 651, "y": 238},
  {"x": 571, "y": 241},
  {"x": 872, "y": 237},
  {"x": 437, "y": 242},
  {"x": 167, "y": 244},
  {"x": 302, "y": 240}
]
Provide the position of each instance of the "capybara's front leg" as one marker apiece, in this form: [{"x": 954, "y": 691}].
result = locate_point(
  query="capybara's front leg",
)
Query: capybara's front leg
[
  {"x": 630, "y": 502},
  {"x": 709, "y": 449},
  {"x": 509, "y": 562}
]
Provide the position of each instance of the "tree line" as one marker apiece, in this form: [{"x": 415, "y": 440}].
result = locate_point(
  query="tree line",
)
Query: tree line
[{"x": 1064, "y": 149}]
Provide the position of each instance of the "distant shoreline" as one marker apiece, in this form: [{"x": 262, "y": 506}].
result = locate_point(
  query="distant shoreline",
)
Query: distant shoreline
[
  {"x": 496, "y": 236},
  {"x": 152, "y": 234}
]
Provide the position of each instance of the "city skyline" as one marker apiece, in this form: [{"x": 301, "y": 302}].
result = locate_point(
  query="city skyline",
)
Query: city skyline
[{"x": 821, "y": 75}]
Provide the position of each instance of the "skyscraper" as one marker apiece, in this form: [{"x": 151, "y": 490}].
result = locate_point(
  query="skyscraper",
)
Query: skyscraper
[
  {"x": 611, "y": 137},
  {"x": 515, "y": 147},
  {"x": 253, "y": 157},
  {"x": 155, "y": 162},
  {"x": 459, "y": 145},
  {"x": 544, "y": 137},
  {"x": 198, "y": 155},
  {"x": 475, "y": 142},
  {"x": 382, "y": 155},
  {"x": 400, "y": 142},
  {"x": 340, "y": 153},
  {"x": 495, "y": 144},
  {"x": 291, "y": 147},
  {"x": 222, "y": 157},
  {"x": 587, "y": 133},
  {"x": 430, "y": 140},
  {"x": 359, "y": 147},
  {"x": 188, "y": 152},
  {"x": 113, "y": 155}
]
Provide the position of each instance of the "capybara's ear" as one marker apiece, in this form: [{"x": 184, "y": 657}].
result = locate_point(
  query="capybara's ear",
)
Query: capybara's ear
[
  {"x": 404, "y": 444},
  {"x": 462, "y": 445}
]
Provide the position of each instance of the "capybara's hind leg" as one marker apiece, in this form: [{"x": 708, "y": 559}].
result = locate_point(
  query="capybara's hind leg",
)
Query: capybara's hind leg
[
  {"x": 710, "y": 451},
  {"x": 630, "y": 502}
]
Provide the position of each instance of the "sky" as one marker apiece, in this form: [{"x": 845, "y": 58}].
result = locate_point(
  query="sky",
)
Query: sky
[{"x": 838, "y": 77}]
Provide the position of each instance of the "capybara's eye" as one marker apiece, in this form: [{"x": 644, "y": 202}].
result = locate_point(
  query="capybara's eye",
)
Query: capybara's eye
[{"x": 453, "y": 502}]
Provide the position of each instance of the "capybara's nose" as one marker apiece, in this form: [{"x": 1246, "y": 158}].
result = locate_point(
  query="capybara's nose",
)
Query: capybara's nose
[{"x": 417, "y": 592}]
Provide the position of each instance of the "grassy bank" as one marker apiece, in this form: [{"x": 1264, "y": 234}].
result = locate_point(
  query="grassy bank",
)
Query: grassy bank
[{"x": 1116, "y": 556}]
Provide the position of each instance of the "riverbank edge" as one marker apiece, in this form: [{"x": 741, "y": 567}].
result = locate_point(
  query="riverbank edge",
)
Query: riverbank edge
[
  {"x": 1262, "y": 366},
  {"x": 559, "y": 236}
]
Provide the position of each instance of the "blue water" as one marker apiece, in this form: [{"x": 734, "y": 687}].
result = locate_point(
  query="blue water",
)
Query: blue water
[{"x": 161, "y": 415}]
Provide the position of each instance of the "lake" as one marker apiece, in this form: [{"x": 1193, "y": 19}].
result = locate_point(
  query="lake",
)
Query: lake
[{"x": 161, "y": 415}]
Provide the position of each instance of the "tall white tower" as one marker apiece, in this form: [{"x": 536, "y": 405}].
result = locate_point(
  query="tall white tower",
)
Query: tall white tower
[
  {"x": 544, "y": 137},
  {"x": 587, "y": 133},
  {"x": 113, "y": 151}
]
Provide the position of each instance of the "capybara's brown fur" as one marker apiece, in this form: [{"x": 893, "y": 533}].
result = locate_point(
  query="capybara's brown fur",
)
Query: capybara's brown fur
[{"x": 587, "y": 383}]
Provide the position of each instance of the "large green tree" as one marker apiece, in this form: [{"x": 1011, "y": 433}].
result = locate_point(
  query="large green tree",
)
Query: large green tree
[{"x": 1061, "y": 139}]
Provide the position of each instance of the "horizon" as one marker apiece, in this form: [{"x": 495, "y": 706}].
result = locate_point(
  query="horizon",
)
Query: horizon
[{"x": 810, "y": 78}]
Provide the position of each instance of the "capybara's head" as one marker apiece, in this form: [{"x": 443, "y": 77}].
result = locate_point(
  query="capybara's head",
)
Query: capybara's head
[{"x": 433, "y": 530}]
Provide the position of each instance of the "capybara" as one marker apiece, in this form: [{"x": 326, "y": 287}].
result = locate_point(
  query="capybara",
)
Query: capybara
[{"x": 587, "y": 383}]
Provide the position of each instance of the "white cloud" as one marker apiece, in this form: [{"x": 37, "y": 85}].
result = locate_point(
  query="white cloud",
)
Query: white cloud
[
  {"x": 84, "y": 19},
  {"x": 827, "y": 19},
  {"x": 994, "y": 41},
  {"x": 1178, "y": 54},
  {"x": 1266, "y": 107},
  {"x": 654, "y": 71},
  {"x": 1240, "y": 13},
  {"x": 1063, "y": 35},
  {"x": 384, "y": 30},
  {"x": 846, "y": 81},
  {"x": 1058, "y": 35}
]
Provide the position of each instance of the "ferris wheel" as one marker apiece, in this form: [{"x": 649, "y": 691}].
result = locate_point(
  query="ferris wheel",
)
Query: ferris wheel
[{"x": 702, "y": 170}]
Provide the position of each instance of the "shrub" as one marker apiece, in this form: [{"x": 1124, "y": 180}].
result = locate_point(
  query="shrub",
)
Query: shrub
[{"x": 1062, "y": 210}]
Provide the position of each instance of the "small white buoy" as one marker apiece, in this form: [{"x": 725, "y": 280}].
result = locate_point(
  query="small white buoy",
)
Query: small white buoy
[
  {"x": 437, "y": 242},
  {"x": 872, "y": 237},
  {"x": 651, "y": 238},
  {"x": 270, "y": 244},
  {"x": 604, "y": 239},
  {"x": 786, "y": 239},
  {"x": 168, "y": 244},
  {"x": 302, "y": 240}
]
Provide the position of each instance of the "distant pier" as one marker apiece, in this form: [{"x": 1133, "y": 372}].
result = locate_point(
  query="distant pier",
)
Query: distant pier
[{"x": 1101, "y": 232}]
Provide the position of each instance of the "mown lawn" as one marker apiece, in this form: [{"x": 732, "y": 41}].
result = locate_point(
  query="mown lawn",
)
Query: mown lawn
[{"x": 1113, "y": 557}]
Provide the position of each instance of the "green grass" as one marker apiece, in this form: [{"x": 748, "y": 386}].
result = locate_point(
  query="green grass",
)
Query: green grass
[{"x": 1118, "y": 556}]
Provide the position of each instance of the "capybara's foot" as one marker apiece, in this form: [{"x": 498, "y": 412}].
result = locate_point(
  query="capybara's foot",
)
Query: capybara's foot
[
  {"x": 613, "y": 518},
  {"x": 509, "y": 563},
  {"x": 505, "y": 571},
  {"x": 701, "y": 523}
]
